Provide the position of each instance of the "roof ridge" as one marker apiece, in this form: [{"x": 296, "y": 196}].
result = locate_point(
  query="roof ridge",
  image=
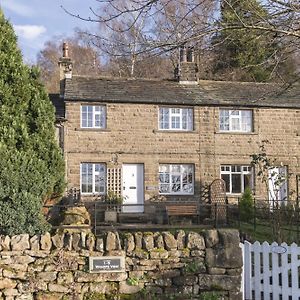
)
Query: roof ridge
[{"x": 100, "y": 77}]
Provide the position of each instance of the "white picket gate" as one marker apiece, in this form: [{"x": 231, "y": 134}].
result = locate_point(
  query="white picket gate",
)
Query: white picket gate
[{"x": 271, "y": 271}]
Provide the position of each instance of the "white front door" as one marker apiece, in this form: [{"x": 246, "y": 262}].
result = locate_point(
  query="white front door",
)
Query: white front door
[
  {"x": 278, "y": 184},
  {"x": 133, "y": 187}
]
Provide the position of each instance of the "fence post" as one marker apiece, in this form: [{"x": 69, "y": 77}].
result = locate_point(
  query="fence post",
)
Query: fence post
[
  {"x": 216, "y": 215},
  {"x": 254, "y": 219},
  {"x": 297, "y": 205},
  {"x": 95, "y": 218},
  {"x": 226, "y": 210},
  {"x": 239, "y": 213}
]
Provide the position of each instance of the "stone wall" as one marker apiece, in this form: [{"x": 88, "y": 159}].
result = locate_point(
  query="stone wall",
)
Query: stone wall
[{"x": 187, "y": 264}]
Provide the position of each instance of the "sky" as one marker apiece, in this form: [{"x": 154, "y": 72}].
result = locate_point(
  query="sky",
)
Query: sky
[{"x": 37, "y": 21}]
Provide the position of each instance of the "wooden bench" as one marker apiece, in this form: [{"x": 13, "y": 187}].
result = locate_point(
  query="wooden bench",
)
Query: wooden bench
[{"x": 182, "y": 210}]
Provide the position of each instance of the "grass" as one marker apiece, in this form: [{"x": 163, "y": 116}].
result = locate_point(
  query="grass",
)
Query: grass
[{"x": 263, "y": 231}]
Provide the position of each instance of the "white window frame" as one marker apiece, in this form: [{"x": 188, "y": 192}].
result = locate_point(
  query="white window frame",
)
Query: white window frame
[
  {"x": 94, "y": 174},
  {"x": 169, "y": 172},
  {"x": 176, "y": 112},
  {"x": 236, "y": 117},
  {"x": 244, "y": 170},
  {"x": 97, "y": 111}
]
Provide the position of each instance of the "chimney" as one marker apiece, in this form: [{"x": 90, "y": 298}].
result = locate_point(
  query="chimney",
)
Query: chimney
[
  {"x": 187, "y": 68},
  {"x": 65, "y": 68}
]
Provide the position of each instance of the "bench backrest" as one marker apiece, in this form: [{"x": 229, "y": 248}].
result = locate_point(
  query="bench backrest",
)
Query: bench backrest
[{"x": 182, "y": 209}]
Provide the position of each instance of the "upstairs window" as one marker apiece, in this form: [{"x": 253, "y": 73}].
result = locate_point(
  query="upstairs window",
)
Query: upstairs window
[
  {"x": 236, "y": 120},
  {"x": 93, "y": 116},
  {"x": 237, "y": 178},
  {"x": 176, "y": 179},
  {"x": 93, "y": 178},
  {"x": 172, "y": 118}
]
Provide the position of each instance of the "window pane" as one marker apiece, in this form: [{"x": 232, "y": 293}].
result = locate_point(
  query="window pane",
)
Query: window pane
[
  {"x": 97, "y": 121},
  {"x": 226, "y": 178},
  {"x": 164, "y": 178},
  {"x": 164, "y": 188},
  {"x": 190, "y": 119},
  {"x": 163, "y": 168},
  {"x": 175, "y": 122},
  {"x": 235, "y": 124},
  {"x": 184, "y": 119},
  {"x": 224, "y": 119},
  {"x": 175, "y": 187},
  {"x": 247, "y": 181},
  {"x": 236, "y": 183},
  {"x": 235, "y": 112},
  {"x": 246, "y": 121},
  {"x": 164, "y": 118},
  {"x": 103, "y": 117},
  {"x": 188, "y": 188},
  {"x": 176, "y": 168}
]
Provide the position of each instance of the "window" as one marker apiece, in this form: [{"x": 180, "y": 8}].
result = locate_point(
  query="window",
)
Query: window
[
  {"x": 236, "y": 120},
  {"x": 237, "y": 178},
  {"x": 93, "y": 178},
  {"x": 175, "y": 118},
  {"x": 176, "y": 179},
  {"x": 93, "y": 116}
]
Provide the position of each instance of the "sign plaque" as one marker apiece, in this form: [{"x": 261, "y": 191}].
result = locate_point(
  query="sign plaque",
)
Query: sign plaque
[{"x": 104, "y": 264}]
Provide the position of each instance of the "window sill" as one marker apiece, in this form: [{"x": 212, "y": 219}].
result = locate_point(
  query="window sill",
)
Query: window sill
[
  {"x": 236, "y": 133},
  {"x": 93, "y": 129},
  {"x": 91, "y": 195},
  {"x": 174, "y": 131},
  {"x": 174, "y": 195}
]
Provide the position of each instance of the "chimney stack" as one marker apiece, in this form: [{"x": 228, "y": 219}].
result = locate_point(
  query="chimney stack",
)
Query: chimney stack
[
  {"x": 187, "y": 68},
  {"x": 65, "y": 68}
]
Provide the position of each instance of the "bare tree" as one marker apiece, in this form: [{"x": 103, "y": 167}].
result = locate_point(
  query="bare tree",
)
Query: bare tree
[
  {"x": 168, "y": 24},
  {"x": 131, "y": 35},
  {"x": 283, "y": 18},
  {"x": 47, "y": 60}
]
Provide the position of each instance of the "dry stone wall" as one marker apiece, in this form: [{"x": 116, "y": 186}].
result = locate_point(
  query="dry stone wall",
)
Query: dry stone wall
[{"x": 188, "y": 265}]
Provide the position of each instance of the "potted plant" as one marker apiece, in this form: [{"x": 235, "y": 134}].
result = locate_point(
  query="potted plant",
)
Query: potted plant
[{"x": 113, "y": 202}]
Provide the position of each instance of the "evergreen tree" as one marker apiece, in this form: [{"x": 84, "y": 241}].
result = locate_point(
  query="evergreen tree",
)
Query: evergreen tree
[
  {"x": 31, "y": 163},
  {"x": 248, "y": 54}
]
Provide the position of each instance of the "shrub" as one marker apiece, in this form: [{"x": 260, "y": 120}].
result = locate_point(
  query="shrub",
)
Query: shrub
[
  {"x": 31, "y": 163},
  {"x": 246, "y": 206}
]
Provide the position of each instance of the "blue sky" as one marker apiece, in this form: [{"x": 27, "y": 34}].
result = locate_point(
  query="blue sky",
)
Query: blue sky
[{"x": 36, "y": 21}]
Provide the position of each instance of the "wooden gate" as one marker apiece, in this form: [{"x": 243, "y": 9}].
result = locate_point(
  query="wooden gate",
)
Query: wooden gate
[{"x": 271, "y": 271}]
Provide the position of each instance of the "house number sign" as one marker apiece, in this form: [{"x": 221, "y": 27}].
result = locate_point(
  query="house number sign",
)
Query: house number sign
[
  {"x": 279, "y": 249},
  {"x": 106, "y": 264}
]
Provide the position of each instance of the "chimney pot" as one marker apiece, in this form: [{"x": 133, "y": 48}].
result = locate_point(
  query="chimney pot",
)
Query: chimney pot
[
  {"x": 65, "y": 50},
  {"x": 187, "y": 70},
  {"x": 65, "y": 68}
]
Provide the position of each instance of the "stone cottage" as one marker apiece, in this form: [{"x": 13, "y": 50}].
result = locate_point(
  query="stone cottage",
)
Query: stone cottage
[{"x": 146, "y": 139}]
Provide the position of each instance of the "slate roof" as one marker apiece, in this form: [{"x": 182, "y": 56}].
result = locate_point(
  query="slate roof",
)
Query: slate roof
[
  {"x": 215, "y": 93},
  {"x": 59, "y": 106}
]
